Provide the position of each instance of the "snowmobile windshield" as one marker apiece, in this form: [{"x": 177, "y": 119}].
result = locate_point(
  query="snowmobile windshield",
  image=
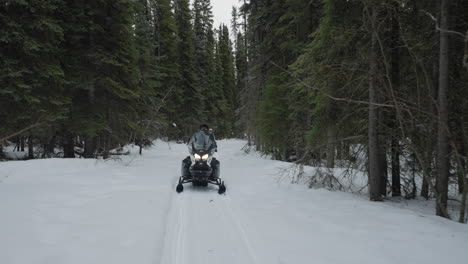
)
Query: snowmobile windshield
[{"x": 201, "y": 141}]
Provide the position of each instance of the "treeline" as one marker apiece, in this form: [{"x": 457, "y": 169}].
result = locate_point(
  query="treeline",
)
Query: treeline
[
  {"x": 329, "y": 76},
  {"x": 87, "y": 76},
  {"x": 308, "y": 81}
]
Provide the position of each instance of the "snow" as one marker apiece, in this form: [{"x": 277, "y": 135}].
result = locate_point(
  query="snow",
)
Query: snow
[
  {"x": 12, "y": 153},
  {"x": 66, "y": 211}
]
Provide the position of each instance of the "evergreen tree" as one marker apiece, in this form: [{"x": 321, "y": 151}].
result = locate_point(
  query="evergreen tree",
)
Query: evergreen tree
[
  {"x": 241, "y": 73},
  {"x": 149, "y": 76},
  {"x": 100, "y": 63},
  {"x": 278, "y": 32},
  {"x": 273, "y": 122},
  {"x": 31, "y": 76},
  {"x": 228, "y": 79},
  {"x": 212, "y": 90},
  {"x": 166, "y": 51},
  {"x": 203, "y": 31},
  {"x": 235, "y": 23},
  {"x": 221, "y": 105},
  {"x": 324, "y": 65},
  {"x": 192, "y": 108}
]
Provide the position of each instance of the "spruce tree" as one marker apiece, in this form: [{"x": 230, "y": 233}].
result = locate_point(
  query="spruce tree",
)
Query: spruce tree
[
  {"x": 101, "y": 68},
  {"x": 31, "y": 76},
  {"x": 203, "y": 30},
  {"x": 149, "y": 104},
  {"x": 241, "y": 78},
  {"x": 192, "y": 98},
  {"x": 228, "y": 79},
  {"x": 220, "y": 102},
  {"x": 212, "y": 89},
  {"x": 166, "y": 39}
]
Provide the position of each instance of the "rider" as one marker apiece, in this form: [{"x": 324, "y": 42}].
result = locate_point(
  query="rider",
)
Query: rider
[
  {"x": 187, "y": 162},
  {"x": 204, "y": 131}
]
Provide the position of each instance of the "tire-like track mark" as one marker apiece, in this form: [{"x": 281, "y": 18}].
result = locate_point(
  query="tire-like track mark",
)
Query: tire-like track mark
[
  {"x": 173, "y": 250},
  {"x": 238, "y": 224},
  {"x": 179, "y": 249},
  {"x": 203, "y": 228}
]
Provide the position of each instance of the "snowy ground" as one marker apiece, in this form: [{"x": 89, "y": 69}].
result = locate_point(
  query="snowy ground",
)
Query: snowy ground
[{"x": 60, "y": 211}]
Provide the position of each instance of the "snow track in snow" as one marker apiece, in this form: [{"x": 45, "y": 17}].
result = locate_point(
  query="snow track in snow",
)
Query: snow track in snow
[
  {"x": 174, "y": 245},
  {"x": 202, "y": 229},
  {"x": 241, "y": 228},
  {"x": 90, "y": 211}
]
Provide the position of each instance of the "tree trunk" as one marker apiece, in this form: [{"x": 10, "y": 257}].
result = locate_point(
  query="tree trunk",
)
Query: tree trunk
[
  {"x": 383, "y": 167},
  {"x": 49, "y": 147},
  {"x": 375, "y": 175},
  {"x": 432, "y": 127},
  {"x": 463, "y": 201},
  {"x": 461, "y": 169},
  {"x": 425, "y": 188},
  {"x": 331, "y": 138},
  {"x": 396, "y": 181},
  {"x": 395, "y": 79},
  {"x": 442, "y": 140},
  {"x": 30, "y": 147},
  {"x": 17, "y": 144},
  {"x": 105, "y": 154},
  {"x": 68, "y": 146},
  {"x": 22, "y": 143},
  {"x": 89, "y": 147}
]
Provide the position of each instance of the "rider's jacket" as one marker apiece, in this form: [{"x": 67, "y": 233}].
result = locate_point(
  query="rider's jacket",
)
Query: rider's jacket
[{"x": 202, "y": 140}]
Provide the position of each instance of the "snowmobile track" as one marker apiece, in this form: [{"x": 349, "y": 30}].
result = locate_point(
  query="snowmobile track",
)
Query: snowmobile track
[
  {"x": 174, "y": 244},
  {"x": 240, "y": 227},
  {"x": 202, "y": 215}
]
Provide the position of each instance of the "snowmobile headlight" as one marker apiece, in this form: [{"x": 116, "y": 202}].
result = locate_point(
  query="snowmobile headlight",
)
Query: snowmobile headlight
[
  {"x": 205, "y": 157},
  {"x": 197, "y": 157}
]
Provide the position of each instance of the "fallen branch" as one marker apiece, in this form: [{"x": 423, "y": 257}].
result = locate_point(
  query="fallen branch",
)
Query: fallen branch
[{"x": 39, "y": 123}]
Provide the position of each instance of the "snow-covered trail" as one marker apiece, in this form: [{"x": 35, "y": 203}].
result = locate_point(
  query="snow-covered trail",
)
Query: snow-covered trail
[
  {"x": 203, "y": 229},
  {"x": 87, "y": 211}
]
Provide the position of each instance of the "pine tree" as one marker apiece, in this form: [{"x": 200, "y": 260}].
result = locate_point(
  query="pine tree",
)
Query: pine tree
[
  {"x": 241, "y": 73},
  {"x": 278, "y": 32},
  {"x": 203, "y": 31},
  {"x": 166, "y": 51},
  {"x": 228, "y": 79},
  {"x": 235, "y": 24},
  {"x": 149, "y": 104},
  {"x": 192, "y": 98},
  {"x": 219, "y": 98},
  {"x": 212, "y": 89},
  {"x": 31, "y": 76},
  {"x": 273, "y": 118},
  {"x": 100, "y": 64},
  {"x": 319, "y": 67}
]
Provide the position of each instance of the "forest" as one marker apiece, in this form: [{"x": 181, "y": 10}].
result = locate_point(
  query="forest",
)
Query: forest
[{"x": 324, "y": 83}]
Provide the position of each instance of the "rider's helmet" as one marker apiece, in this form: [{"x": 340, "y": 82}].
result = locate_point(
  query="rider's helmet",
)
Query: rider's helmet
[{"x": 204, "y": 127}]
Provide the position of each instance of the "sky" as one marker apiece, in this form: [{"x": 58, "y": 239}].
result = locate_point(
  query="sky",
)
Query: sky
[{"x": 222, "y": 11}]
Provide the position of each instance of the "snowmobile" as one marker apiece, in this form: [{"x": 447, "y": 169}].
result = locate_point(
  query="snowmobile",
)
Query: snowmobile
[{"x": 201, "y": 168}]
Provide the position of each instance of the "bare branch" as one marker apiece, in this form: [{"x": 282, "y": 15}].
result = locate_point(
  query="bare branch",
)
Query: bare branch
[
  {"x": 465, "y": 57},
  {"x": 443, "y": 30},
  {"x": 328, "y": 95}
]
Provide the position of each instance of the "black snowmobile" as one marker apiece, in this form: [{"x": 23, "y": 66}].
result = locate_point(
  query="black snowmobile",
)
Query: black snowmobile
[{"x": 201, "y": 168}]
